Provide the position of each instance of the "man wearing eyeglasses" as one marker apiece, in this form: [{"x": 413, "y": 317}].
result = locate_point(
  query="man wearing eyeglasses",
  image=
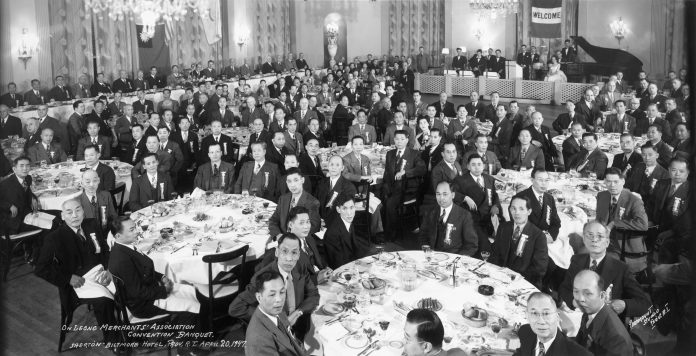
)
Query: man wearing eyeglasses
[
  {"x": 627, "y": 298},
  {"x": 541, "y": 336}
]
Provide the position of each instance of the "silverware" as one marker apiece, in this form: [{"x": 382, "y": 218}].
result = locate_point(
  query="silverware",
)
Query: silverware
[
  {"x": 368, "y": 347},
  {"x": 478, "y": 266},
  {"x": 398, "y": 255},
  {"x": 375, "y": 348},
  {"x": 347, "y": 334},
  {"x": 179, "y": 248}
]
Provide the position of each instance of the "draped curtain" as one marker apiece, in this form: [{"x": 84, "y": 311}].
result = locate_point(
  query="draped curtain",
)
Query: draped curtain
[
  {"x": 188, "y": 43},
  {"x": 569, "y": 27},
  {"x": 668, "y": 40},
  {"x": 415, "y": 23},
  {"x": 117, "y": 47},
  {"x": 271, "y": 29}
]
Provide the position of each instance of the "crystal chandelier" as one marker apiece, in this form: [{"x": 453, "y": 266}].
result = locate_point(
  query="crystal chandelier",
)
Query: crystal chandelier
[
  {"x": 150, "y": 11},
  {"x": 491, "y": 9}
]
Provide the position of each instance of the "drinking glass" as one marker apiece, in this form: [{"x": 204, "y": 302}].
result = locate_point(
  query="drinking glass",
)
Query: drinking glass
[
  {"x": 428, "y": 252},
  {"x": 245, "y": 194},
  {"x": 383, "y": 322},
  {"x": 69, "y": 161},
  {"x": 495, "y": 326},
  {"x": 485, "y": 255},
  {"x": 593, "y": 175}
]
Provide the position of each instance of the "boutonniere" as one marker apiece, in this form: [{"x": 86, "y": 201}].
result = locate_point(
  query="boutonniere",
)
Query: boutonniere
[
  {"x": 266, "y": 175},
  {"x": 333, "y": 197},
  {"x": 169, "y": 150},
  {"x": 93, "y": 235},
  {"x": 224, "y": 144},
  {"x": 521, "y": 244},
  {"x": 222, "y": 177},
  {"x": 489, "y": 194},
  {"x": 403, "y": 164},
  {"x": 365, "y": 172},
  {"x": 162, "y": 190},
  {"x": 675, "y": 206},
  {"x": 652, "y": 184},
  {"x": 448, "y": 233},
  {"x": 548, "y": 215},
  {"x": 622, "y": 210}
]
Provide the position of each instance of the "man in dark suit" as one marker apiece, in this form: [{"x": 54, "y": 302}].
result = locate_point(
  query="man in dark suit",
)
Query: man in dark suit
[
  {"x": 313, "y": 132},
  {"x": 143, "y": 105},
  {"x": 260, "y": 176},
  {"x": 342, "y": 119},
  {"x": 60, "y": 133},
  {"x": 278, "y": 123},
  {"x": 68, "y": 254},
  {"x": 100, "y": 86},
  {"x": 93, "y": 138},
  {"x": 664, "y": 151},
  {"x": 447, "y": 169},
  {"x": 449, "y": 228},
  {"x": 225, "y": 116},
  {"x": 171, "y": 147},
  {"x": 31, "y": 133},
  {"x": 643, "y": 178},
  {"x": 682, "y": 142},
  {"x": 620, "y": 122},
  {"x": 96, "y": 204},
  {"x": 524, "y": 60},
  {"x": 136, "y": 148},
  {"x": 542, "y": 335},
  {"x": 526, "y": 155},
  {"x": 627, "y": 298},
  {"x": 259, "y": 134},
  {"x": 459, "y": 61},
  {"x": 619, "y": 208},
  {"x": 589, "y": 109},
  {"x": 572, "y": 145},
  {"x": 269, "y": 330},
  {"x": 9, "y": 125},
  {"x": 123, "y": 84},
  {"x": 77, "y": 125},
  {"x": 401, "y": 164},
  {"x": 153, "y": 80},
  {"x": 628, "y": 160},
  {"x": 217, "y": 136},
  {"x": 475, "y": 191},
  {"x": 301, "y": 297},
  {"x": 601, "y": 330},
  {"x": 475, "y": 107},
  {"x": 277, "y": 150},
  {"x": 188, "y": 142},
  {"x": 591, "y": 159},
  {"x": 106, "y": 174},
  {"x": 445, "y": 107},
  {"x": 342, "y": 243},
  {"x": 60, "y": 92},
  {"x": 640, "y": 116},
  {"x": 18, "y": 199},
  {"x": 216, "y": 174},
  {"x": 351, "y": 92},
  {"x": 35, "y": 96},
  {"x": 295, "y": 197},
  {"x": 11, "y": 98},
  {"x": 568, "y": 52},
  {"x": 670, "y": 197},
  {"x": 293, "y": 138},
  {"x": 329, "y": 188},
  {"x": 250, "y": 113},
  {"x": 432, "y": 152},
  {"x": 301, "y": 63},
  {"x": 362, "y": 128},
  {"x": 521, "y": 246},
  {"x": 541, "y": 137},
  {"x": 564, "y": 122},
  {"x": 153, "y": 186},
  {"x": 309, "y": 163},
  {"x": 655, "y": 119},
  {"x": 399, "y": 124},
  {"x": 47, "y": 150},
  {"x": 477, "y": 63},
  {"x": 544, "y": 214},
  {"x": 501, "y": 135}
]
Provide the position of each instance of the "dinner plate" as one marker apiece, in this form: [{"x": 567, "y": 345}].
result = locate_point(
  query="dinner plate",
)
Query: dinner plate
[
  {"x": 439, "y": 257},
  {"x": 357, "y": 341},
  {"x": 387, "y": 256},
  {"x": 332, "y": 308}
]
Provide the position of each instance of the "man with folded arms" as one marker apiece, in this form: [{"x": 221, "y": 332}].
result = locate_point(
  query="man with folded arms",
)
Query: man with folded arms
[
  {"x": 542, "y": 335},
  {"x": 302, "y": 296},
  {"x": 216, "y": 174}
]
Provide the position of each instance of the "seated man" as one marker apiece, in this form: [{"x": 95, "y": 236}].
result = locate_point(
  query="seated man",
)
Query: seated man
[
  {"x": 565, "y": 121},
  {"x": 521, "y": 246},
  {"x": 174, "y": 150},
  {"x": 462, "y": 131},
  {"x": 477, "y": 194},
  {"x": 310, "y": 163},
  {"x": 542, "y": 335},
  {"x": 96, "y": 204},
  {"x": 572, "y": 145},
  {"x": 302, "y": 296},
  {"x": 629, "y": 158},
  {"x": 291, "y": 161},
  {"x": 449, "y": 228},
  {"x": 153, "y": 186},
  {"x": 645, "y": 176},
  {"x": 362, "y": 128},
  {"x": 448, "y": 169},
  {"x": 601, "y": 330},
  {"x": 661, "y": 147},
  {"x": 148, "y": 293},
  {"x": 46, "y": 150},
  {"x": 544, "y": 213},
  {"x": 525, "y": 155},
  {"x": 626, "y": 297},
  {"x": 619, "y": 208},
  {"x": 71, "y": 252},
  {"x": 296, "y": 196},
  {"x": 424, "y": 334},
  {"x": 163, "y": 157},
  {"x": 258, "y": 177},
  {"x": 541, "y": 137},
  {"x": 260, "y": 134},
  {"x": 591, "y": 159},
  {"x": 269, "y": 332},
  {"x": 293, "y": 138},
  {"x": 491, "y": 164},
  {"x": 669, "y": 199},
  {"x": 93, "y": 138},
  {"x": 331, "y": 187},
  {"x": 215, "y": 174},
  {"x": 133, "y": 151},
  {"x": 276, "y": 150},
  {"x": 389, "y": 138},
  {"x": 107, "y": 177},
  {"x": 342, "y": 243},
  {"x": 216, "y": 136},
  {"x": 357, "y": 165}
]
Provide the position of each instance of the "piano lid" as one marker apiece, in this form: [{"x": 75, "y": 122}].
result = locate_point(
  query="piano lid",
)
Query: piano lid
[{"x": 610, "y": 57}]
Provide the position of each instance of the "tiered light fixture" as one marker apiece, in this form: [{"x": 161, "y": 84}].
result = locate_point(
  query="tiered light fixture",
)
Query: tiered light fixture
[
  {"x": 491, "y": 9},
  {"x": 150, "y": 11}
]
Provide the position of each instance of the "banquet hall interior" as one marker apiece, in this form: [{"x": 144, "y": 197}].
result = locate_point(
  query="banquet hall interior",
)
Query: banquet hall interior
[{"x": 342, "y": 177}]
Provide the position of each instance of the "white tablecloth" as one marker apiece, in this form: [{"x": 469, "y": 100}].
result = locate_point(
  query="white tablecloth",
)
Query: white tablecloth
[
  {"x": 51, "y": 197},
  {"x": 183, "y": 265},
  {"x": 453, "y": 300}
]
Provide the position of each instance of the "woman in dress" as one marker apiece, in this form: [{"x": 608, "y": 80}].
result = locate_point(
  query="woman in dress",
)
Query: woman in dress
[
  {"x": 423, "y": 137},
  {"x": 555, "y": 73}
]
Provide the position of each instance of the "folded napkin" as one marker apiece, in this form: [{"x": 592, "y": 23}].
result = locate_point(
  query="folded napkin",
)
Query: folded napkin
[
  {"x": 92, "y": 289},
  {"x": 197, "y": 193},
  {"x": 329, "y": 333}
]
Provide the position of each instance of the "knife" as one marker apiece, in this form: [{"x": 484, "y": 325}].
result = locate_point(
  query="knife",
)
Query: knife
[
  {"x": 179, "y": 248},
  {"x": 368, "y": 347}
]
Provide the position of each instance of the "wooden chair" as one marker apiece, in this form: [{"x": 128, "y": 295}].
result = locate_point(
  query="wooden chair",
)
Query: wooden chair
[
  {"x": 225, "y": 286},
  {"x": 411, "y": 199},
  {"x": 118, "y": 196},
  {"x": 9, "y": 243},
  {"x": 68, "y": 305},
  {"x": 362, "y": 207}
]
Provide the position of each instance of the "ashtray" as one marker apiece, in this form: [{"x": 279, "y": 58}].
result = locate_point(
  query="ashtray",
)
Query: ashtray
[{"x": 486, "y": 290}]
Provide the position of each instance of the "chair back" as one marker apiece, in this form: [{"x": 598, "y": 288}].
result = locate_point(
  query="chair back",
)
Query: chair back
[
  {"x": 236, "y": 274},
  {"x": 117, "y": 196},
  {"x": 362, "y": 202},
  {"x": 120, "y": 302},
  {"x": 234, "y": 149}
]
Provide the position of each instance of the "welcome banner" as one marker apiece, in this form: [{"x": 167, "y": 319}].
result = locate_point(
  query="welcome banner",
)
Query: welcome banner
[{"x": 546, "y": 18}]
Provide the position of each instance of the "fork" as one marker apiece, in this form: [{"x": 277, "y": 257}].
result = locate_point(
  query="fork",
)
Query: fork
[{"x": 375, "y": 348}]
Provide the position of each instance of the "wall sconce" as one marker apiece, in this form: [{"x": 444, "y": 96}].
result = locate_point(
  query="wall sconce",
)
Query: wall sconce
[
  {"x": 618, "y": 29},
  {"x": 242, "y": 38},
  {"x": 27, "y": 46}
]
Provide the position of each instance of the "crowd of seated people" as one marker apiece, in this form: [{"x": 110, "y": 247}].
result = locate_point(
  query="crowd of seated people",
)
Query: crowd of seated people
[{"x": 439, "y": 158}]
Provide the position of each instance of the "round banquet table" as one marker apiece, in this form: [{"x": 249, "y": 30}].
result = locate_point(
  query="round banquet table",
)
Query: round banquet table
[
  {"x": 609, "y": 143},
  {"x": 508, "y": 302},
  {"x": 576, "y": 201},
  {"x": 180, "y": 257},
  {"x": 52, "y": 195}
]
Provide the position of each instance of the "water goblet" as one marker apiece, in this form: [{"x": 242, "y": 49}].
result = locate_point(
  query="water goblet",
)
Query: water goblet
[
  {"x": 485, "y": 255},
  {"x": 428, "y": 252}
]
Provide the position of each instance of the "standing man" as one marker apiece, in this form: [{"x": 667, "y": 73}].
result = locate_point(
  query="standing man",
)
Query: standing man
[
  {"x": 524, "y": 60},
  {"x": 422, "y": 61}
]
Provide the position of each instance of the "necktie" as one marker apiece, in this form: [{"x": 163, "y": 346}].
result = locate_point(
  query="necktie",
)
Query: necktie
[
  {"x": 257, "y": 168},
  {"x": 293, "y": 202},
  {"x": 593, "y": 266},
  {"x": 299, "y": 349},
  {"x": 442, "y": 217},
  {"x": 541, "y": 200},
  {"x": 316, "y": 161},
  {"x": 25, "y": 185},
  {"x": 362, "y": 128},
  {"x": 398, "y": 156},
  {"x": 217, "y": 139},
  {"x": 523, "y": 153},
  {"x": 94, "y": 141},
  {"x": 542, "y": 349},
  {"x": 81, "y": 234},
  {"x": 162, "y": 146},
  {"x": 94, "y": 205},
  {"x": 153, "y": 182},
  {"x": 582, "y": 333},
  {"x": 289, "y": 294},
  {"x": 480, "y": 182},
  {"x": 614, "y": 200},
  {"x": 625, "y": 161},
  {"x": 672, "y": 190},
  {"x": 516, "y": 234},
  {"x": 216, "y": 170}
]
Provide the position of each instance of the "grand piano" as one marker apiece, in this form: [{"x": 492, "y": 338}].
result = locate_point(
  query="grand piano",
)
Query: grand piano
[{"x": 607, "y": 61}]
